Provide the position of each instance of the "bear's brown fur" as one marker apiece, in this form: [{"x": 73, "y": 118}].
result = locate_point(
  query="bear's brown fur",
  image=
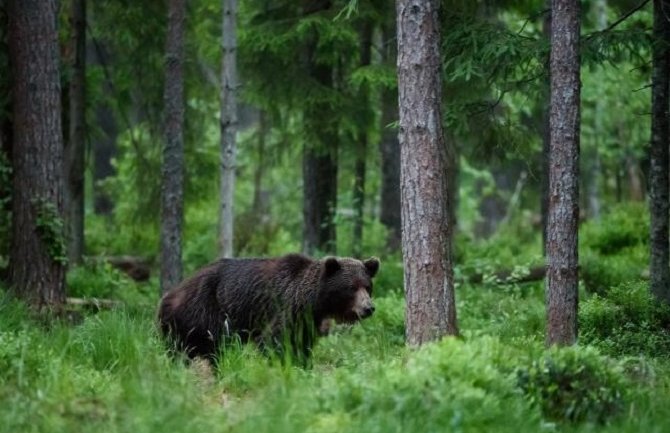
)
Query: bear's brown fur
[{"x": 273, "y": 302}]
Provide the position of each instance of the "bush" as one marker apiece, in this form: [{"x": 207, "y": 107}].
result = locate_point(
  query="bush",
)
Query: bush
[
  {"x": 450, "y": 385},
  {"x": 574, "y": 384},
  {"x": 625, "y": 226},
  {"x": 600, "y": 273},
  {"x": 628, "y": 320},
  {"x": 614, "y": 249}
]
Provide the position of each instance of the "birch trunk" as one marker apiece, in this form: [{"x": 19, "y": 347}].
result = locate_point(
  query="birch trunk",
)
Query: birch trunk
[{"x": 228, "y": 127}]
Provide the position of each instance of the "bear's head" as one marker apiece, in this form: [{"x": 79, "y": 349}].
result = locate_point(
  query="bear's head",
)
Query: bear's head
[{"x": 345, "y": 292}]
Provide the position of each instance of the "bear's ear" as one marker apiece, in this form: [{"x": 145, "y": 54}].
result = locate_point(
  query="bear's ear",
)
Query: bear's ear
[
  {"x": 371, "y": 266},
  {"x": 331, "y": 266}
]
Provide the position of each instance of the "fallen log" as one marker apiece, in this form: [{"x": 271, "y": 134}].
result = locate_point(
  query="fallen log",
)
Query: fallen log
[
  {"x": 94, "y": 303},
  {"x": 507, "y": 276},
  {"x": 136, "y": 268}
]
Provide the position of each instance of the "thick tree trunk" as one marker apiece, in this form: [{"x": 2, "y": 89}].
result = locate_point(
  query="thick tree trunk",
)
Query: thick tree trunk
[
  {"x": 76, "y": 143},
  {"x": 427, "y": 229},
  {"x": 228, "y": 126},
  {"x": 172, "y": 186},
  {"x": 561, "y": 245},
  {"x": 658, "y": 154},
  {"x": 362, "y": 147},
  {"x": 38, "y": 250},
  {"x": 389, "y": 148},
  {"x": 319, "y": 169}
]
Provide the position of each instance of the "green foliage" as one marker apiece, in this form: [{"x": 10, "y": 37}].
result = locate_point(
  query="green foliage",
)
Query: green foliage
[
  {"x": 621, "y": 227},
  {"x": 575, "y": 384},
  {"x": 96, "y": 278},
  {"x": 614, "y": 249},
  {"x": 108, "y": 374},
  {"x": 628, "y": 320},
  {"x": 51, "y": 229},
  {"x": 600, "y": 273}
]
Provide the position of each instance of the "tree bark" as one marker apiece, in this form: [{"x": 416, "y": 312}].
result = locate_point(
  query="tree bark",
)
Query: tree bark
[
  {"x": 76, "y": 143},
  {"x": 389, "y": 148},
  {"x": 562, "y": 258},
  {"x": 361, "y": 149},
  {"x": 546, "y": 114},
  {"x": 319, "y": 170},
  {"x": 228, "y": 126},
  {"x": 658, "y": 154},
  {"x": 594, "y": 178},
  {"x": 259, "y": 172},
  {"x": 427, "y": 229},
  {"x": 37, "y": 258},
  {"x": 172, "y": 185}
]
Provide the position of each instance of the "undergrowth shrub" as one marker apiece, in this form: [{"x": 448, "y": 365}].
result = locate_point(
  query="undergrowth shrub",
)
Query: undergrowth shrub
[
  {"x": 614, "y": 249},
  {"x": 446, "y": 386},
  {"x": 95, "y": 278},
  {"x": 624, "y": 226},
  {"x": 574, "y": 384},
  {"x": 628, "y": 320}
]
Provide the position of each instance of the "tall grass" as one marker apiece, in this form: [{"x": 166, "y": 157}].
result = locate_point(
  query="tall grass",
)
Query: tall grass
[{"x": 110, "y": 372}]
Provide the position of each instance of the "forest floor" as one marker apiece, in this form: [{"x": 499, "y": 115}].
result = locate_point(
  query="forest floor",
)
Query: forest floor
[{"x": 109, "y": 372}]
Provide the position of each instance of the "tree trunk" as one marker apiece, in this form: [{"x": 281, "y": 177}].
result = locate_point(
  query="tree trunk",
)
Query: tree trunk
[
  {"x": 38, "y": 251},
  {"x": 389, "y": 148},
  {"x": 172, "y": 185},
  {"x": 562, "y": 259},
  {"x": 361, "y": 148},
  {"x": 594, "y": 172},
  {"x": 319, "y": 170},
  {"x": 658, "y": 154},
  {"x": 427, "y": 229},
  {"x": 228, "y": 126},
  {"x": 76, "y": 143},
  {"x": 103, "y": 145},
  {"x": 320, "y": 198},
  {"x": 257, "y": 205},
  {"x": 546, "y": 111},
  {"x": 5, "y": 143}
]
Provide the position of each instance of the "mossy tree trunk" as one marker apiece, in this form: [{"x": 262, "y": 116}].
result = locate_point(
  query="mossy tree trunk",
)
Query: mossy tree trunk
[
  {"x": 427, "y": 226},
  {"x": 37, "y": 260}
]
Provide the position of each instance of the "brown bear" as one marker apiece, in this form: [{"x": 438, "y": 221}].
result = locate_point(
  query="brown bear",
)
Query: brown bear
[{"x": 277, "y": 303}]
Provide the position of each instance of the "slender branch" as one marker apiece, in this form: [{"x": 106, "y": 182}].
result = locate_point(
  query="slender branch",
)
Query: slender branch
[{"x": 621, "y": 19}]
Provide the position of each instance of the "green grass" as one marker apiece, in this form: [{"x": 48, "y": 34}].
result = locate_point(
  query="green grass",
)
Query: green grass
[{"x": 109, "y": 372}]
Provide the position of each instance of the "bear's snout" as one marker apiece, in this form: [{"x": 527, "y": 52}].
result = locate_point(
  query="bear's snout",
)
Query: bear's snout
[
  {"x": 367, "y": 311},
  {"x": 363, "y": 306}
]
